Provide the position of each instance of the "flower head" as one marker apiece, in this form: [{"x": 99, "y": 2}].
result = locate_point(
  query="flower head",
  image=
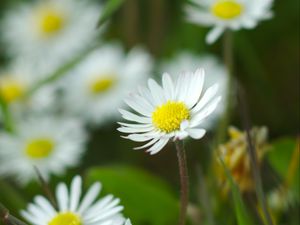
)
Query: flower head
[
  {"x": 228, "y": 14},
  {"x": 55, "y": 29},
  {"x": 173, "y": 111},
  {"x": 236, "y": 157},
  {"x": 215, "y": 73},
  {"x": 95, "y": 89},
  {"x": 72, "y": 211},
  {"x": 50, "y": 144}
]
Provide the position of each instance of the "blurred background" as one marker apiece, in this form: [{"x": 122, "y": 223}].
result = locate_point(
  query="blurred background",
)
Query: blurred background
[{"x": 266, "y": 63}]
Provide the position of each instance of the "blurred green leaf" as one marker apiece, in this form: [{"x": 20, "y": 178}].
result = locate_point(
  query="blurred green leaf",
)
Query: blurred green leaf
[
  {"x": 147, "y": 199},
  {"x": 241, "y": 213},
  {"x": 284, "y": 158},
  {"x": 111, "y": 7}
]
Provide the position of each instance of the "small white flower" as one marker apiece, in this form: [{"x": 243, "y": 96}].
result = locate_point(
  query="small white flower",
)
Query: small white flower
[
  {"x": 215, "y": 73},
  {"x": 50, "y": 144},
  {"x": 72, "y": 211},
  {"x": 55, "y": 29},
  {"x": 228, "y": 14},
  {"x": 95, "y": 89},
  {"x": 15, "y": 83},
  {"x": 173, "y": 111}
]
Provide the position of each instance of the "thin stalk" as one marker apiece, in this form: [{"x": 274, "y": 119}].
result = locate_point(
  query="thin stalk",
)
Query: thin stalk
[
  {"x": 7, "y": 218},
  {"x": 46, "y": 188},
  {"x": 253, "y": 158},
  {"x": 229, "y": 63},
  {"x": 7, "y": 118},
  {"x": 184, "y": 181}
]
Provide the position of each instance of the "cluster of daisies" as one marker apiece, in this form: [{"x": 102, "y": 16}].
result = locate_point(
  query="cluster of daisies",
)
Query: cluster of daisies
[{"x": 49, "y": 117}]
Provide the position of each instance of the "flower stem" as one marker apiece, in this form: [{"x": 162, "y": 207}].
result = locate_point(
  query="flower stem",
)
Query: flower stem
[
  {"x": 7, "y": 118},
  {"x": 184, "y": 181},
  {"x": 253, "y": 157},
  {"x": 229, "y": 63}
]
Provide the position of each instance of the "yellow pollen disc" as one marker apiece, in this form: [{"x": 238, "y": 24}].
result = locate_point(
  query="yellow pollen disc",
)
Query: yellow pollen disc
[
  {"x": 39, "y": 148},
  {"x": 50, "y": 21},
  {"x": 67, "y": 218},
  {"x": 169, "y": 116},
  {"x": 102, "y": 84},
  {"x": 227, "y": 9},
  {"x": 11, "y": 90}
]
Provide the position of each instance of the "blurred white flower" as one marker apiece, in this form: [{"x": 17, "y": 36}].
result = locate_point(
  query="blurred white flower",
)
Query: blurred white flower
[
  {"x": 72, "y": 211},
  {"x": 50, "y": 29},
  {"x": 95, "y": 89},
  {"x": 215, "y": 73},
  {"x": 173, "y": 111},
  {"x": 50, "y": 144},
  {"x": 17, "y": 80},
  {"x": 228, "y": 14}
]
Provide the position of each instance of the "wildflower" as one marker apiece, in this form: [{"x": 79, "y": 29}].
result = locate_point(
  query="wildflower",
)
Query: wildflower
[
  {"x": 55, "y": 29},
  {"x": 95, "y": 89},
  {"x": 228, "y": 14},
  {"x": 173, "y": 111},
  {"x": 236, "y": 157},
  {"x": 51, "y": 144},
  {"x": 88, "y": 211},
  {"x": 215, "y": 73},
  {"x": 17, "y": 80}
]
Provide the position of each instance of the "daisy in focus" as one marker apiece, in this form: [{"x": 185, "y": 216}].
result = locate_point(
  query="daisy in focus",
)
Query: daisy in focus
[
  {"x": 215, "y": 73},
  {"x": 174, "y": 110},
  {"x": 95, "y": 89},
  {"x": 73, "y": 211},
  {"x": 50, "y": 144},
  {"x": 228, "y": 14},
  {"x": 55, "y": 29},
  {"x": 236, "y": 157}
]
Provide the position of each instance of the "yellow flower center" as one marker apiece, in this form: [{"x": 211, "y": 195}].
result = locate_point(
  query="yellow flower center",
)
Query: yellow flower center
[
  {"x": 50, "y": 21},
  {"x": 169, "y": 116},
  {"x": 102, "y": 84},
  {"x": 227, "y": 9},
  {"x": 11, "y": 90},
  {"x": 39, "y": 148},
  {"x": 67, "y": 218}
]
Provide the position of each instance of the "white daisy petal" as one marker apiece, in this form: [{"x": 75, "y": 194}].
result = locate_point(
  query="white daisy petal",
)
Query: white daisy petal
[
  {"x": 158, "y": 146},
  {"x": 168, "y": 86},
  {"x": 156, "y": 92},
  {"x": 75, "y": 193},
  {"x": 62, "y": 197},
  {"x": 132, "y": 117},
  {"x": 196, "y": 133},
  {"x": 90, "y": 197},
  {"x": 214, "y": 34}
]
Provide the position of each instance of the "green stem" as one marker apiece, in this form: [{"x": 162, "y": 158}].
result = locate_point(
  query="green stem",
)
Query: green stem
[
  {"x": 253, "y": 158},
  {"x": 184, "y": 181},
  {"x": 6, "y": 115},
  {"x": 229, "y": 63}
]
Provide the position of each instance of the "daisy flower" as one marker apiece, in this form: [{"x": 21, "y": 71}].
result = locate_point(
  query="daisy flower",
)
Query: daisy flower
[
  {"x": 17, "y": 80},
  {"x": 50, "y": 144},
  {"x": 174, "y": 111},
  {"x": 216, "y": 73},
  {"x": 73, "y": 211},
  {"x": 96, "y": 87},
  {"x": 228, "y": 14},
  {"x": 55, "y": 29}
]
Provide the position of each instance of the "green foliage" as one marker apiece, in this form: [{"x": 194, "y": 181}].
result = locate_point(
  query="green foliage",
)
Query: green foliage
[
  {"x": 147, "y": 199},
  {"x": 284, "y": 159},
  {"x": 242, "y": 215},
  {"x": 111, "y": 7}
]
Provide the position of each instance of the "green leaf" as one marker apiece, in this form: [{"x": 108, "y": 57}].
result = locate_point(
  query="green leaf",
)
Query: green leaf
[
  {"x": 284, "y": 159},
  {"x": 242, "y": 216},
  {"x": 147, "y": 199},
  {"x": 111, "y": 7}
]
